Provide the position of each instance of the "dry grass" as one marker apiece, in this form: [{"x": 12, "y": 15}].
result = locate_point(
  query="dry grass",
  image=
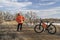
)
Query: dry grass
[{"x": 8, "y": 32}]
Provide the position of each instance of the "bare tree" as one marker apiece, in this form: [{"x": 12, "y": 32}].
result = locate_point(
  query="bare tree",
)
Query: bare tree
[
  {"x": 1, "y": 17},
  {"x": 31, "y": 16},
  {"x": 8, "y": 16}
]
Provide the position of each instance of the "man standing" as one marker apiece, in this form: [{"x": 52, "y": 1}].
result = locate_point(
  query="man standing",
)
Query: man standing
[{"x": 19, "y": 20}]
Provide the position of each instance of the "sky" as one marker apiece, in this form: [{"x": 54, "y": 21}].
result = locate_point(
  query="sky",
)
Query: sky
[{"x": 43, "y": 8}]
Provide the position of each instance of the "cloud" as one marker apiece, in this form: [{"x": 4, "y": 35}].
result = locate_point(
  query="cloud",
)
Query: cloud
[
  {"x": 47, "y": 2},
  {"x": 44, "y": 4},
  {"x": 15, "y": 4},
  {"x": 1, "y": 6},
  {"x": 47, "y": 13},
  {"x": 44, "y": 0},
  {"x": 13, "y": 0},
  {"x": 50, "y": 13}
]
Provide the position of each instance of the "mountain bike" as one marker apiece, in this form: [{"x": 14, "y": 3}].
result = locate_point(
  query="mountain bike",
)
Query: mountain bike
[{"x": 42, "y": 25}]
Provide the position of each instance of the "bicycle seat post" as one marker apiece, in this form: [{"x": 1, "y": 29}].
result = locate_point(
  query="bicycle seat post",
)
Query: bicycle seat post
[{"x": 47, "y": 22}]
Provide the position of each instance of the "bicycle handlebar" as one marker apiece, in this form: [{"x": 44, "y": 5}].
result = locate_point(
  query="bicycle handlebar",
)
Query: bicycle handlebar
[{"x": 47, "y": 21}]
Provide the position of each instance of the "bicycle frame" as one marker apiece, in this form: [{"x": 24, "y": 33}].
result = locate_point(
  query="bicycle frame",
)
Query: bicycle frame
[{"x": 44, "y": 25}]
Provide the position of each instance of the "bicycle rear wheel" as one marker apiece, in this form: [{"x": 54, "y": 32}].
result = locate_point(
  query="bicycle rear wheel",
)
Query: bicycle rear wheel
[
  {"x": 52, "y": 29},
  {"x": 38, "y": 28}
]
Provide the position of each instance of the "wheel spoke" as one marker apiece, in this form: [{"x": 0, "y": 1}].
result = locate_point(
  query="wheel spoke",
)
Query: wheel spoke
[
  {"x": 38, "y": 29},
  {"x": 52, "y": 29}
]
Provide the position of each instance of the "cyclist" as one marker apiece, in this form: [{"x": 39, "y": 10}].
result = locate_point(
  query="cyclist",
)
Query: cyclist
[{"x": 19, "y": 20}]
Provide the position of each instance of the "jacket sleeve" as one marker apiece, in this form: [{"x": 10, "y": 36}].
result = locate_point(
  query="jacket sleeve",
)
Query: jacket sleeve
[{"x": 16, "y": 19}]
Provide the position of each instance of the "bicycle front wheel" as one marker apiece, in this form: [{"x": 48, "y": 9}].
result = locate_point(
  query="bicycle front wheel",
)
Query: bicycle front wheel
[{"x": 38, "y": 29}]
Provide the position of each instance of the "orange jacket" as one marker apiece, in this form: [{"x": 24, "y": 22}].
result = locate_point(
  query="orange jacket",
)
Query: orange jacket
[{"x": 20, "y": 19}]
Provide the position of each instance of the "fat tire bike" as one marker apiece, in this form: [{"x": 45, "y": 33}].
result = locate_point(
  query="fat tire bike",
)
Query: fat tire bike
[{"x": 42, "y": 25}]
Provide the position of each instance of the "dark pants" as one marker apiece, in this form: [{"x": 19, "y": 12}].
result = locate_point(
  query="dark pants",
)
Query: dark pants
[{"x": 19, "y": 27}]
